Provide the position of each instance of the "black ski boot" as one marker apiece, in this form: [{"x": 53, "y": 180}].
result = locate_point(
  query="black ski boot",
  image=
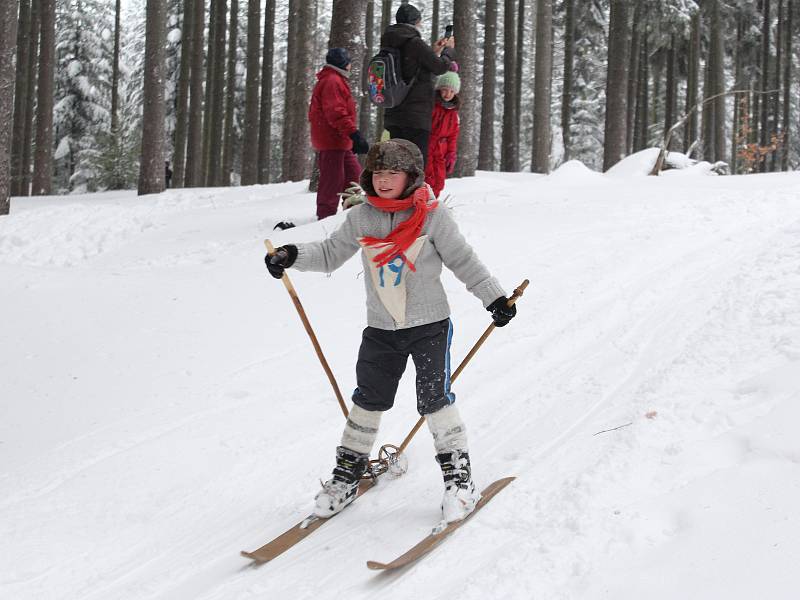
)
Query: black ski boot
[
  {"x": 460, "y": 495},
  {"x": 341, "y": 489}
]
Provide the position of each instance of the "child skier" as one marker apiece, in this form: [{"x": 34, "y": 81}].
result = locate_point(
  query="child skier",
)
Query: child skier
[
  {"x": 444, "y": 131},
  {"x": 405, "y": 237}
]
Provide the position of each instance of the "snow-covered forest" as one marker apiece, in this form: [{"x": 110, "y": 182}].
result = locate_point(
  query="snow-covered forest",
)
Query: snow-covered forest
[{"x": 536, "y": 82}]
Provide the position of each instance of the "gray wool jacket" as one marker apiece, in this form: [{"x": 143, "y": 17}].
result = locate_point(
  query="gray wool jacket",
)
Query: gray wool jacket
[{"x": 426, "y": 301}]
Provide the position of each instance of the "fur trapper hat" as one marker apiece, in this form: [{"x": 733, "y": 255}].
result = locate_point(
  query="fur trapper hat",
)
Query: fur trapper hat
[{"x": 396, "y": 155}]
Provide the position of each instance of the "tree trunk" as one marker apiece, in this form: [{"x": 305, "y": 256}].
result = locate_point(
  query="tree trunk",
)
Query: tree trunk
[
  {"x": 766, "y": 126},
  {"x": 692, "y": 83},
  {"x": 182, "y": 101},
  {"x": 518, "y": 61},
  {"x": 509, "y": 148},
  {"x": 151, "y": 164},
  {"x": 486, "y": 150},
  {"x": 435, "y": 29},
  {"x": 776, "y": 97},
  {"x": 787, "y": 84},
  {"x": 43, "y": 156},
  {"x": 365, "y": 109},
  {"x": 465, "y": 19},
  {"x": 215, "y": 166},
  {"x": 193, "y": 175},
  {"x": 31, "y": 79},
  {"x": 718, "y": 79},
  {"x": 569, "y": 65},
  {"x": 265, "y": 117},
  {"x": 297, "y": 150},
  {"x": 347, "y": 31},
  {"x": 616, "y": 85},
  {"x": 386, "y": 13},
  {"x": 671, "y": 92},
  {"x": 540, "y": 158},
  {"x": 251, "y": 103},
  {"x": 8, "y": 47},
  {"x": 208, "y": 106},
  {"x": 230, "y": 96},
  {"x": 739, "y": 84},
  {"x": 633, "y": 73},
  {"x": 20, "y": 96},
  {"x": 642, "y": 109}
]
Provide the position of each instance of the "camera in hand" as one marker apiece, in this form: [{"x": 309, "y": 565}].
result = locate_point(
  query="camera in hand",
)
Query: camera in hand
[{"x": 448, "y": 32}]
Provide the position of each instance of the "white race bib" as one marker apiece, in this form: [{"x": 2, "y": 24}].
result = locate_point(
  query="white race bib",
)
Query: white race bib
[{"x": 389, "y": 280}]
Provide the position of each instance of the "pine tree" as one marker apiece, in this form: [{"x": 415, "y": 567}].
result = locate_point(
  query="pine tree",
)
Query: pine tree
[
  {"x": 616, "y": 85},
  {"x": 151, "y": 170},
  {"x": 193, "y": 176},
  {"x": 251, "y": 110},
  {"x": 540, "y": 158},
  {"x": 265, "y": 114},
  {"x": 465, "y": 20},
  {"x": 43, "y": 157},
  {"x": 509, "y": 144},
  {"x": 486, "y": 151},
  {"x": 20, "y": 95},
  {"x": 182, "y": 100},
  {"x": 8, "y": 47}
]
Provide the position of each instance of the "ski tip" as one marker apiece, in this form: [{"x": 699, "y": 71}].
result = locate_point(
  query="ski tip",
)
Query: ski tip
[{"x": 376, "y": 566}]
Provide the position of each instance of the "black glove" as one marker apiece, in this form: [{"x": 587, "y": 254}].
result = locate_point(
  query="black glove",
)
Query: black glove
[
  {"x": 283, "y": 258},
  {"x": 502, "y": 313},
  {"x": 360, "y": 145}
]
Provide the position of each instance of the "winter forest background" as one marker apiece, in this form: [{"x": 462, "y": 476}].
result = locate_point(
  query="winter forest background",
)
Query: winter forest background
[{"x": 97, "y": 94}]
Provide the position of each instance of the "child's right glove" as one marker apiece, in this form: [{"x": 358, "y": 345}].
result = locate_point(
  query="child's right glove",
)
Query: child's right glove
[
  {"x": 502, "y": 313},
  {"x": 283, "y": 258}
]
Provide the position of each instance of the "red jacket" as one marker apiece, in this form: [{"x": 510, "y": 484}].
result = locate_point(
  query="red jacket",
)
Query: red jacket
[
  {"x": 442, "y": 144},
  {"x": 332, "y": 112}
]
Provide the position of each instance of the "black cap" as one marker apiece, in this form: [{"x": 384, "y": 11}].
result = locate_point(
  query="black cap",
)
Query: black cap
[
  {"x": 407, "y": 13},
  {"x": 338, "y": 57}
]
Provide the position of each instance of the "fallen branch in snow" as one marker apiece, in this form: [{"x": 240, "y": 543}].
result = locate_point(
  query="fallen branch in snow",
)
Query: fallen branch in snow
[
  {"x": 682, "y": 121},
  {"x": 613, "y": 429}
]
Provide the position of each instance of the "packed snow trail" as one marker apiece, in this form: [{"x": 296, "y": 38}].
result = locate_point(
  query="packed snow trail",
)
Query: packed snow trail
[{"x": 163, "y": 409}]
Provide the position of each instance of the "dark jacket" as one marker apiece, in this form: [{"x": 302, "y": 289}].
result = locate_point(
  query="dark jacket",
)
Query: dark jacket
[
  {"x": 332, "y": 111},
  {"x": 420, "y": 60}
]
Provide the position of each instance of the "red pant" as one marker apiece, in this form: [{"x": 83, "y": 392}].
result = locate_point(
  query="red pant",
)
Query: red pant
[{"x": 337, "y": 168}]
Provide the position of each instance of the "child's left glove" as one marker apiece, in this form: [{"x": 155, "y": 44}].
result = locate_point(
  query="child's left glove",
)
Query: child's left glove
[
  {"x": 502, "y": 313},
  {"x": 283, "y": 258}
]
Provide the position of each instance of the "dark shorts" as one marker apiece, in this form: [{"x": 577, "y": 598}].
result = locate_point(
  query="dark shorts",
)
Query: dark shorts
[{"x": 382, "y": 360}]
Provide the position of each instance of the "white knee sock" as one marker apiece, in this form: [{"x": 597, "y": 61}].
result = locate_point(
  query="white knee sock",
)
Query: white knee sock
[
  {"x": 449, "y": 431},
  {"x": 361, "y": 430}
]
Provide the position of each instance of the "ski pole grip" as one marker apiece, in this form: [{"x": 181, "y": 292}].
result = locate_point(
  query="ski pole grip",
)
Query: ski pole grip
[{"x": 518, "y": 291}]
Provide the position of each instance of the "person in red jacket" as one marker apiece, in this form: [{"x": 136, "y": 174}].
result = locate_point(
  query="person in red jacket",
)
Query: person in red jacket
[
  {"x": 332, "y": 115},
  {"x": 444, "y": 131}
]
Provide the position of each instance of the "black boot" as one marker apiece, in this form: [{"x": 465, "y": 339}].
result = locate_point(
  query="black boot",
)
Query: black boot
[
  {"x": 341, "y": 489},
  {"x": 460, "y": 495}
]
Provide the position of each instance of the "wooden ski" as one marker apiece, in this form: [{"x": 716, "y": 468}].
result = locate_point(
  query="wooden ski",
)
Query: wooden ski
[
  {"x": 297, "y": 533},
  {"x": 434, "y": 539}
]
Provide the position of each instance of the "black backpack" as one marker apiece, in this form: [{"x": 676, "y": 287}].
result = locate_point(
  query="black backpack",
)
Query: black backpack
[{"x": 385, "y": 84}]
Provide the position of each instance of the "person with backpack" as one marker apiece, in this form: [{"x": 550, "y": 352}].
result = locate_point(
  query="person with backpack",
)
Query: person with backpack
[
  {"x": 334, "y": 135},
  {"x": 411, "y": 119},
  {"x": 444, "y": 131}
]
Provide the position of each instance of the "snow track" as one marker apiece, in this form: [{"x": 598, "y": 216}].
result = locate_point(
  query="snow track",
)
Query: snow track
[{"x": 162, "y": 408}]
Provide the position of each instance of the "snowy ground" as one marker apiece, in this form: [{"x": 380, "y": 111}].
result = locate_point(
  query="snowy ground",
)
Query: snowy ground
[{"x": 161, "y": 407}]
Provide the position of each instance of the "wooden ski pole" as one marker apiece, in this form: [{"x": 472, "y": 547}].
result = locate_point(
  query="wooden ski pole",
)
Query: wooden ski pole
[
  {"x": 511, "y": 301},
  {"x": 309, "y": 331}
]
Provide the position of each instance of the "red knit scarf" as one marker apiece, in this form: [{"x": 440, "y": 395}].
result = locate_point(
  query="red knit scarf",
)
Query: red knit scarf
[{"x": 407, "y": 232}]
